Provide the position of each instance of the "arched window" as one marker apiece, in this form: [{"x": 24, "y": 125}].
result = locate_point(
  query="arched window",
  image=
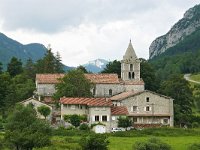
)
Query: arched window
[
  {"x": 110, "y": 92},
  {"x": 94, "y": 91},
  {"x": 133, "y": 75},
  {"x": 131, "y": 67},
  {"x": 129, "y": 75}
]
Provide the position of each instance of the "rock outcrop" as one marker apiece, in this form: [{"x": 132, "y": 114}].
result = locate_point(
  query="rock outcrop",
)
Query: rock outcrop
[{"x": 184, "y": 27}]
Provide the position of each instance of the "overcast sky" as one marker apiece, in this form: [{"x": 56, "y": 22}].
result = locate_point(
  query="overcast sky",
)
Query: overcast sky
[{"x": 84, "y": 30}]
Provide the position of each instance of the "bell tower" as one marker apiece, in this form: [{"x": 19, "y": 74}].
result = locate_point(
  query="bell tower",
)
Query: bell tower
[{"x": 130, "y": 65}]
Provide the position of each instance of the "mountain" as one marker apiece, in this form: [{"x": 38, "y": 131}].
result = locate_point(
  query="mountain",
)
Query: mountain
[
  {"x": 96, "y": 66},
  {"x": 10, "y": 48},
  {"x": 189, "y": 24}
]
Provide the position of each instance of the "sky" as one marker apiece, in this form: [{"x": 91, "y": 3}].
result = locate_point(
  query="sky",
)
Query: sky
[{"x": 84, "y": 30}]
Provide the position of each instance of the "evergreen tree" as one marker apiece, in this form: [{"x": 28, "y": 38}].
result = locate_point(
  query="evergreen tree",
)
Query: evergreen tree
[
  {"x": 58, "y": 64},
  {"x": 14, "y": 67},
  {"x": 29, "y": 69},
  {"x": 113, "y": 67},
  {"x": 49, "y": 62},
  {"x": 178, "y": 88},
  {"x": 148, "y": 75}
]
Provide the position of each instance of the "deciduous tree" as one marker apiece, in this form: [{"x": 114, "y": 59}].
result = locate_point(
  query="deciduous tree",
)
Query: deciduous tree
[{"x": 44, "y": 111}]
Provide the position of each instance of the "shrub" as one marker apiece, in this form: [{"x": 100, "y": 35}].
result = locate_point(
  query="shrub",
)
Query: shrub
[
  {"x": 84, "y": 126},
  {"x": 195, "y": 125},
  {"x": 195, "y": 146},
  {"x": 151, "y": 144},
  {"x": 94, "y": 142}
]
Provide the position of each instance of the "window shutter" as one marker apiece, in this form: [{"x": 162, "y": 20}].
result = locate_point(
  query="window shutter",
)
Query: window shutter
[
  {"x": 100, "y": 118},
  {"x": 144, "y": 108},
  {"x": 149, "y": 108},
  {"x": 131, "y": 108},
  {"x": 108, "y": 119},
  {"x": 93, "y": 118}
]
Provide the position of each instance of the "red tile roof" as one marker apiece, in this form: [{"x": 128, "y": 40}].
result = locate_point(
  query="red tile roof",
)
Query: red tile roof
[
  {"x": 48, "y": 78},
  {"x": 119, "y": 110},
  {"x": 86, "y": 101},
  {"x": 94, "y": 78}
]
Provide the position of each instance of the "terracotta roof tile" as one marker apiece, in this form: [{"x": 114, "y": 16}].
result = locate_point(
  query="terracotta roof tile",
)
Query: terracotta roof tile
[
  {"x": 48, "y": 78},
  {"x": 123, "y": 95},
  {"x": 119, "y": 110},
  {"x": 94, "y": 78},
  {"x": 86, "y": 101}
]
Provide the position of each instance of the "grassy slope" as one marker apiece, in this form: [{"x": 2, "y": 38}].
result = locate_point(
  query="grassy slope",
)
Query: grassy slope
[{"x": 195, "y": 77}]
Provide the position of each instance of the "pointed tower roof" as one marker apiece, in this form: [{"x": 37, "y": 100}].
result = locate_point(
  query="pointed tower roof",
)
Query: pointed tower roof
[{"x": 130, "y": 53}]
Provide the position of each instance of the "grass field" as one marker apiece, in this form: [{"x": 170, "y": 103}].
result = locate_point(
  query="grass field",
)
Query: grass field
[{"x": 195, "y": 77}]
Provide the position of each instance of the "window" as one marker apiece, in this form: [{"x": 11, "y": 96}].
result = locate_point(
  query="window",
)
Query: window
[
  {"x": 133, "y": 75},
  {"x": 113, "y": 118},
  {"x": 96, "y": 118},
  {"x": 131, "y": 67},
  {"x": 165, "y": 121},
  {"x": 147, "y": 99},
  {"x": 110, "y": 92},
  {"x": 129, "y": 75},
  {"x": 147, "y": 108},
  {"x": 134, "y": 108},
  {"x": 104, "y": 118}
]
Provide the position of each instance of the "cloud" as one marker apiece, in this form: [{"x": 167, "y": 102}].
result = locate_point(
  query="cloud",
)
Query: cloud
[{"x": 83, "y": 30}]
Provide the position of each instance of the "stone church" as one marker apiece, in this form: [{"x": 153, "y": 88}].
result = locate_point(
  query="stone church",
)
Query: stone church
[{"x": 114, "y": 97}]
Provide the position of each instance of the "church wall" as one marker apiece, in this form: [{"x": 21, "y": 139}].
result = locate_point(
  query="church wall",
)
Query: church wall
[
  {"x": 45, "y": 89},
  {"x": 136, "y": 88},
  {"x": 102, "y": 90}
]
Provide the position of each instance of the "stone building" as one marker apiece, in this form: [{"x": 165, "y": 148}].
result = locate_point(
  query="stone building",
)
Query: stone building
[{"x": 127, "y": 95}]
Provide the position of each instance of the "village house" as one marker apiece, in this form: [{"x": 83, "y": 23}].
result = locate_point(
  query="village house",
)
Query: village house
[{"x": 114, "y": 97}]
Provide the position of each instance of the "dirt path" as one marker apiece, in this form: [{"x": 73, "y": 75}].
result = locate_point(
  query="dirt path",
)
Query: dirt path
[{"x": 187, "y": 77}]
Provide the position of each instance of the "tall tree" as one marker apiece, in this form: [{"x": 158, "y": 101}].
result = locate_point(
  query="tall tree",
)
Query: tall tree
[
  {"x": 113, "y": 67},
  {"x": 29, "y": 69},
  {"x": 58, "y": 64},
  {"x": 178, "y": 88},
  {"x": 73, "y": 84},
  {"x": 25, "y": 131},
  {"x": 49, "y": 62},
  {"x": 148, "y": 75},
  {"x": 14, "y": 67}
]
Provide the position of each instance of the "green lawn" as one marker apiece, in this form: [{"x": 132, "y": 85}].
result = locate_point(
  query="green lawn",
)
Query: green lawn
[
  {"x": 177, "y": 143},
  {"x": 195, "y": 77},
  {"x": 125, "y": 143}
]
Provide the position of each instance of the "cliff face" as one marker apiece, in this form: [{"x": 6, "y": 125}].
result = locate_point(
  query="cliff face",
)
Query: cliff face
[{"x": 184, "y": 27}]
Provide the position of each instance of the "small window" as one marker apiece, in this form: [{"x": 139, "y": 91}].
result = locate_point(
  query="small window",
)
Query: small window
[
  {"x": 131, "y": 67},
  {"x": 104, "y": 118},
  {"x": 96, "y": 118},
  {"x": 147, "y": 99},
  {"x": 110, "y": 92},
  {"x": 113, "y": 118},
  {"x": 81, "y": 107},
  {"x": 165, "y": 121},
  {"x": 129, "y": 75},
  {"x": 147, "y": 108},
  {"x": 133, "y": 75},
  {"x": 134, "y": 108}
]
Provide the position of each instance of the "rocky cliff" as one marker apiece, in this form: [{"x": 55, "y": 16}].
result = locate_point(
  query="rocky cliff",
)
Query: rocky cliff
[{"x": 184, "y": 27}]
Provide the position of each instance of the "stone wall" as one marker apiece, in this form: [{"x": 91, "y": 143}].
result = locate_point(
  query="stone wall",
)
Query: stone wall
[
  {"x": 45, "y": 89},
  {"x": 100, "y": 111}
]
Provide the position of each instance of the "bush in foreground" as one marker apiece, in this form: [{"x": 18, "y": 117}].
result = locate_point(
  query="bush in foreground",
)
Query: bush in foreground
[
  {"x": 195, "y": 146},
  {"x": 94, "y": 142},
  {"x": 151, "y": 144}
]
